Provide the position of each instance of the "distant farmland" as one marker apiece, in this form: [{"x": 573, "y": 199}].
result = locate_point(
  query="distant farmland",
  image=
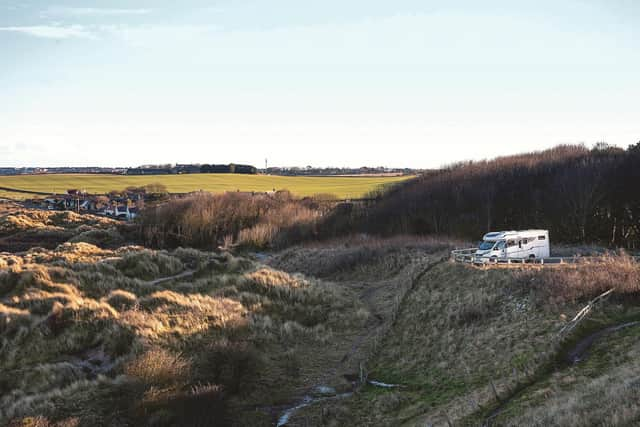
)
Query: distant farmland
[{"x": 341, "y": 187}]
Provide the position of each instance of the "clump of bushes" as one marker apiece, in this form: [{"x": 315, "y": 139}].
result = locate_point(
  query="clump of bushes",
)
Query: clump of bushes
[
  {"x": 585, "y": 280},
  {"x": 159, "y": 367},
  {"x": 208, "y": 220}
]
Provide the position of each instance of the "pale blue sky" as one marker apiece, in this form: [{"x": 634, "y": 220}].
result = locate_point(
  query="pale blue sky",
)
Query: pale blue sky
[{"x": 329, "y": 83}]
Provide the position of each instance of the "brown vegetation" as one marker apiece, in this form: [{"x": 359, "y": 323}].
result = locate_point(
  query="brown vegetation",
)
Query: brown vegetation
[
  {"x": 28, "y": 220},
  {"x": 207, "y": 221},
  {"x": 84, "y": 336},
  {"x": 21, "y": 230},
  {"x": 360, "y": 255},
  {"x": 580, "y": 195},
  {"x": 585, "y": 280}
]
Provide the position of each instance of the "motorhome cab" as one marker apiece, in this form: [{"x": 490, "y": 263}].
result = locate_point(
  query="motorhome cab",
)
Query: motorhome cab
[{"x": 527, "y": 244}]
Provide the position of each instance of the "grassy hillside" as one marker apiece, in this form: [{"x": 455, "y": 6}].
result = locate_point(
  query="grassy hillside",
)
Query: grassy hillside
[
  {"x": 137, "y": 337},
  {"x": 342, "y": 187},
  {"x": 466, "y": 346}
]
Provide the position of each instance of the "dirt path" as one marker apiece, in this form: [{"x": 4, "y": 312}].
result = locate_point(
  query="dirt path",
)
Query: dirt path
[{"x": 579, "y": 352}]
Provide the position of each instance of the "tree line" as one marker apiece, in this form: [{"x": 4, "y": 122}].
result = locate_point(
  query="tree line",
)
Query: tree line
[
  {"x": 231, "y": 168},
  {"x": 581, "y": 195}
]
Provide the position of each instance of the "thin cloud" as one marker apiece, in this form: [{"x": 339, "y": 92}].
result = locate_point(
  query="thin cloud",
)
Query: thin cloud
[
  {"x": 52, "y": 31},
  {"x": 95, "y": 11},
  {"x": 158, "y": 35}
]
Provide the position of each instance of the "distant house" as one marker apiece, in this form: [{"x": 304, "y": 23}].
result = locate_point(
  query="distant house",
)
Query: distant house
[
  {"x": 107, "y": 211},
  {"x": 133, "y": 213},
  {"x": 120, "y": 211},
  {"x": 135, "y": 195}
]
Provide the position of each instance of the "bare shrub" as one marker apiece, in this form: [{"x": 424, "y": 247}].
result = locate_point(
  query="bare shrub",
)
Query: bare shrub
[
  {"x": 207, "y": 221},
  {"x": 259, "y": 236},
  {"x": 229, "y": 363},
  {"x": 158, "y": 366},
  {"x": 587, "y": 279}
]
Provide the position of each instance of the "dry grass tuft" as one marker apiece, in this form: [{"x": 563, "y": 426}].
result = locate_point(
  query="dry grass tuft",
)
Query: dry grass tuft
[
  {"x": 27, "y": 220},
  {"x": 110, "y": 238},
  {"x": 44, "y": 422},
  {"x": 159, "y": 367},
  {"x": 11, "y": 318},
  {"x": 147, "y": 264},
  {"x": 121, "y": 300},
  {"x": 578, "y": 282},
  {"x": 26, "y": 229}
]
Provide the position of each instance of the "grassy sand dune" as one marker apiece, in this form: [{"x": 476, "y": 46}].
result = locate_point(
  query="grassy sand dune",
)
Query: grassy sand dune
[
  {"x": 22, "y": 229},
  {"x": 85, "y": 338}
]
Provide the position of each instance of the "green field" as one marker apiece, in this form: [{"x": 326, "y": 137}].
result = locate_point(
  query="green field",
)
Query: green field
[{"x": 342, "y": 187}]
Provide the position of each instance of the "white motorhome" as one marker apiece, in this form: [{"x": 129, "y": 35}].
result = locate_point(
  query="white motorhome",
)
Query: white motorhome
[{"x": 524, "y": 244}]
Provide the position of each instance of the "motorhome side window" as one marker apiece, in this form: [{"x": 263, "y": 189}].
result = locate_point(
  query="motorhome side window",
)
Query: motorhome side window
[
  {"x": 511, "y": 243},
  {"x": 542, "y": 238}
]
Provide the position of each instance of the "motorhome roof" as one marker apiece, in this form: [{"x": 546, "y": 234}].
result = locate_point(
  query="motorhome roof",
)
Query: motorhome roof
[{"x": 500, "y": 235}]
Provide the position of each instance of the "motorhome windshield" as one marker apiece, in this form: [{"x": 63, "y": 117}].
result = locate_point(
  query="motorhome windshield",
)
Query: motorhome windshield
[{"x": 486, "y": 245}]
